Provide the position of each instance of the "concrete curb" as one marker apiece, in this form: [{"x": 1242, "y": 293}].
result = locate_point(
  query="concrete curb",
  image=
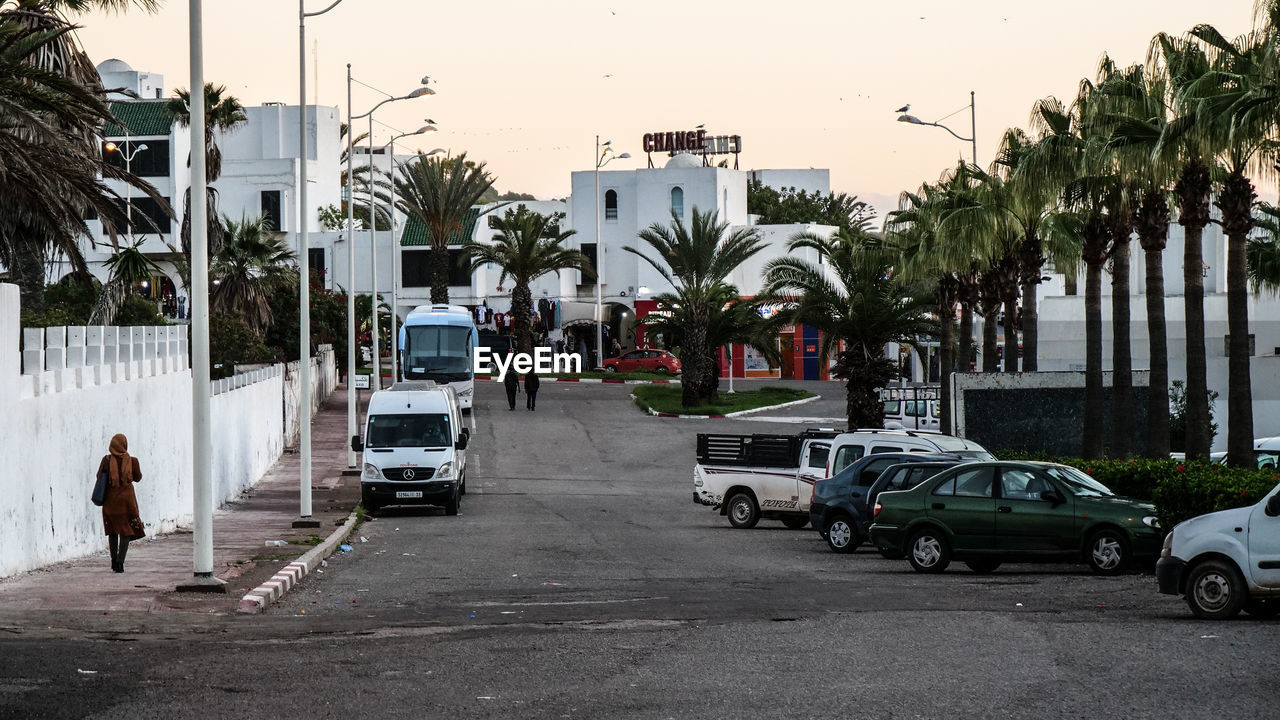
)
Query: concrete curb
[
  {"x": 606, "y": 381},
  {"x": 737, "y": 413},
  {"x": 257, "y": 599}
]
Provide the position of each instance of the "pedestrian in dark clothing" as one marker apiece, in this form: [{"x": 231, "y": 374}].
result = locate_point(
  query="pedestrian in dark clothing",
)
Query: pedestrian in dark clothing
[
  {"x": 531, "y": 383},
  {"x": 512, "y": 383},
  {"x": 120, "y": 509}
]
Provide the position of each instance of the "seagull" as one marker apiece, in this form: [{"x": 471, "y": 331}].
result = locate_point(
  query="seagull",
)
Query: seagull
[{"x": 904, "y": 108}]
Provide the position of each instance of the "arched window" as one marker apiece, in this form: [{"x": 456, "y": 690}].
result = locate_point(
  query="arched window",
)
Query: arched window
[
  {"x": 677, "y": 201},
  {"x": 611, "y": 205}
]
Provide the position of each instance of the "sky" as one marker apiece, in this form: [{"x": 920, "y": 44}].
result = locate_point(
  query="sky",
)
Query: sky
[{"x": 527, "y": 86}]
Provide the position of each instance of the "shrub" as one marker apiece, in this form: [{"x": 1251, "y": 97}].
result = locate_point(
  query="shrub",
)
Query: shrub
[{"x": 1179, "y": 490}]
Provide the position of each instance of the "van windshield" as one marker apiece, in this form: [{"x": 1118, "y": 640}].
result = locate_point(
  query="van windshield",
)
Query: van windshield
[
  {"x": 960, "y": 446},
  {"x": 416, "y": 431}
]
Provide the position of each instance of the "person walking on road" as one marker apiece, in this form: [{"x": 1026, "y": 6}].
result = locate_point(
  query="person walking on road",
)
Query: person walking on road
[
  {"x": 120, "y": 516},
  {"x": 512, "y": 383},
  {"x": 531, "y": 383}
]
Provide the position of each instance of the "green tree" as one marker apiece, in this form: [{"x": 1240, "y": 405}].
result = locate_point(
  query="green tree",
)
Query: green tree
[
  {"x": 854, "y": 297},
  {"x": 251, "y": 260},
  {"x": 695, "y": 260},
  {"x": 222, "y": 112},
  {"x": 128, "y": 266},
  {"x": 526, "y": 245},
  {"x": 790, "y": 206},
  {"x": 440, "y": 191},
  {"x": 1263, "y": 251}
]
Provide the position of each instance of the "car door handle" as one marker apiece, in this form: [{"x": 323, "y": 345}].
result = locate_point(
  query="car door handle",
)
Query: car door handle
[
  {"x": 939, "y": 506},
  {"x": 855, "y": 495},
  {"x": 1004, "y": 509}
]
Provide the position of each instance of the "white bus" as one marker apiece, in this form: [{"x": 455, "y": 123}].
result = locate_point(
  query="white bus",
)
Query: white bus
[{"x": 437, "y": 343}]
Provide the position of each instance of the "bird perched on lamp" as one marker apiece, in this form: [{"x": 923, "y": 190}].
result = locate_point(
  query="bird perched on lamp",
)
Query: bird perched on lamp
[{"x": 904, "y": 108}]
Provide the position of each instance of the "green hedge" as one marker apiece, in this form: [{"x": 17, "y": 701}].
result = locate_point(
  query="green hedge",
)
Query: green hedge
[{"x": 1179, "y": 490}]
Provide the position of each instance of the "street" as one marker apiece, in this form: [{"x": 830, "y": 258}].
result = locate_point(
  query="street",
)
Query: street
[{"x": 581, "y": 581}]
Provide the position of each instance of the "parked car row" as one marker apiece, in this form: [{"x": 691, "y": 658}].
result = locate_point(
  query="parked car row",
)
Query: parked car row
[{"x": 934, "y": 499}]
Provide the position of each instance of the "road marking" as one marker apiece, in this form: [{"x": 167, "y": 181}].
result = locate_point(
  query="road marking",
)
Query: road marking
[{"x": 566, "y": 602}]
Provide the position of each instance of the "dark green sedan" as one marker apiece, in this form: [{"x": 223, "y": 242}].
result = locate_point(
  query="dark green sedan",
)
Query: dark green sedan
[{"x": 985, "y": 514}]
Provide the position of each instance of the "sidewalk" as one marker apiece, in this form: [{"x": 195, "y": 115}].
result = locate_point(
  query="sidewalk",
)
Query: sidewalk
[{"x": 241, "y": 529}]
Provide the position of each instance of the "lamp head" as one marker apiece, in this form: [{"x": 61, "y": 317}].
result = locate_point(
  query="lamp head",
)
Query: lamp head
[
  {"x": 624, "y": 155},
  {"x": 425, "y": 129},
  {"x": 606, "y": 143},
  {"x": 910, "y": 119},
  {"x": 140, "y": 148},
  {"x": 437, "y": 151},
  {"x": 420, "y": 92},
  {"x": 112, "y": 147}
]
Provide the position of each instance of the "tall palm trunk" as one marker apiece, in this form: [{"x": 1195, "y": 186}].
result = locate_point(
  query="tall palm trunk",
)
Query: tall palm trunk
[
  {"x": 1031, "y": 260},
  {"x": 864, "y": 376},
  {"x": 439, "y": 264},
  {"x": 522, "y": 309},
  {"x": 1236, "y": 203},
  {"x": 694, "y": 357},
  {"x": 1095, "y": 256},
  {"x": 1011, "y": 333},
  {"x": 1121, "y": 341},
  {"x": 1153, "y": 232},
  {"x": 1192, "y": 189},
  {"x": 990, "y": 342},
  {"x": 964, "y": 344},
  {"x": 946, "y": 359}
]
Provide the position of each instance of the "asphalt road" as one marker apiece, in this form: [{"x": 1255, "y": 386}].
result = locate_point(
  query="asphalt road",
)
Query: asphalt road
[{"x": 580, "y": 580}]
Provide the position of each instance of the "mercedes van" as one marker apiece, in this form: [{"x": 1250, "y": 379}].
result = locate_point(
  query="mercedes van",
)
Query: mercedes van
[{"x": 414, "y": 448}]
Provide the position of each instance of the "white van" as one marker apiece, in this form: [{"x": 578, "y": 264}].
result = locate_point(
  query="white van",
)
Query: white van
[
  {"x": 1226, "y": 561},
  {"x": 414, "y": 448},
  {"x": 850, "y": 446}
]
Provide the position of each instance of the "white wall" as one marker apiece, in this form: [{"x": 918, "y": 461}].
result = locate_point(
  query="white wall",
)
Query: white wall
[{"x": 62, "y": 414}]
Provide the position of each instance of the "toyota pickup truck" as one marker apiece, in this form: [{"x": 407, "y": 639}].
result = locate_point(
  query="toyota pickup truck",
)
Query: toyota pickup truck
[{"x": 749, "y": 477}]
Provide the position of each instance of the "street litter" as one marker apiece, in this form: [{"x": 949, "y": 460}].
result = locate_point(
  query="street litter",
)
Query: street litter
[
  {"x": 408, "y": 554},
  {"x": 324, "y": 563},
  {"x": 86, "y": 672},
  {"x": 1019, "y": 605},
  {"x": 277, "y": 543},
  {"x": 514, "y": 575},
  {"x": 552, "y": 584},
  {"x": 345, "y": 547},
  {"x": 363, "y": 590},
  {"x": 1208, "y": 637},
  {"x": 484, "y": 697},
  {"x": 364, "y": 539},
  {"x": 508, "y": 612}
]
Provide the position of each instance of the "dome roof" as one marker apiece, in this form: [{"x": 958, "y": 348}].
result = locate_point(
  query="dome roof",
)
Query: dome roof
[
  {"x": 684, "y": 160},
  {"x": 113, "y": 66}
]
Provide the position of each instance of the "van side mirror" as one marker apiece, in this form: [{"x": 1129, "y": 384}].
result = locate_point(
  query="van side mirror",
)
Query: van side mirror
[
  {"x": 1273, "y": 506},
  {"x": 1052, "y": 496},
  {"x": 356, "y": 445},
  {"x": 462, "y": 442}
]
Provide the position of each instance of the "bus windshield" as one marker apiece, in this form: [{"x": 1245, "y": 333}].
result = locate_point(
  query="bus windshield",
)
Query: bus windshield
[{"x": 437, "y": 352}]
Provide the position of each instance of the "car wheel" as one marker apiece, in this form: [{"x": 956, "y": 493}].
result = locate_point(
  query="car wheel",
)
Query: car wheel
[
  {"x": 742, "y": 511},
  {"x": 1215, "y": 590},
  {"x": 662, "y": 370},
  {"x": 1263, "y": 608},
  {"x": 795, "y": 523},
  {"x": 842, "y": 537},
  {"x": 983, "y": 567},
  {"x": 611, "y": 368},
  {"x": 451, "y": 507},
  {"x": 888, "y": 554},
  {"x": 1108, "y": 553},
  {"x": 929, "y": 551}
]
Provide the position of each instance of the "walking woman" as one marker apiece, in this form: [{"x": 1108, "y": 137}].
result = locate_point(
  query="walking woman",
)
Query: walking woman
[
  {"x": 120, "y": 509},
  {"x": 531, "y": 383},
  {"x": 512, "y": 384}
]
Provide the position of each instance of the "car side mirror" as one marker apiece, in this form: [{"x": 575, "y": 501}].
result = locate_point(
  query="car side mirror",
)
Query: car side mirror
[
  {"x": 1273, "y": 506},
  {"x": 462, "y": 442},
  {"x": 356, "y": 445},
  {"x": 1052, "y": 496}
]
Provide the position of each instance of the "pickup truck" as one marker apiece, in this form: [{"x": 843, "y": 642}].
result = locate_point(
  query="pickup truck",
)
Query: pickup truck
[{"x": 748, "y": 477}]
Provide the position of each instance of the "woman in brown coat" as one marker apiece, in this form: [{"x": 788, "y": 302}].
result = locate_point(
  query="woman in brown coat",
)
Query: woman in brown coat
[{"x": 120, "y": 509}]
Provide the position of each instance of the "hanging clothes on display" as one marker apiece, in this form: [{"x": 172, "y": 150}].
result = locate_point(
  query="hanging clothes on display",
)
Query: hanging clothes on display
[
  {"x": 482, "y": 314},
  {"x": 498, "y": 320},
  {"x": 544, "y": 314}
]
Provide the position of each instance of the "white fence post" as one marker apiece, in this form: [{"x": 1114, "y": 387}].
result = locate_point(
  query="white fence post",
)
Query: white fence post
[{"x": 32, "y": 351}]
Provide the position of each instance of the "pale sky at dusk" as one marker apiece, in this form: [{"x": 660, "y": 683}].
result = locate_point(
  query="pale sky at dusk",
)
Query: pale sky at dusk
[{"x": 526, "y": 86}]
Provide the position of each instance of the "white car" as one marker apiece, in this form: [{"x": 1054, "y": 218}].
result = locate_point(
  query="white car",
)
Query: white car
[
  {"x": 848, "y": 447},
  {"x": 1226, "y": 561}
]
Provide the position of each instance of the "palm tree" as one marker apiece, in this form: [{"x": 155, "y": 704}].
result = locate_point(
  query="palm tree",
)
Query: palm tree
[
  {"x": 222, "y": 112},
  {"x": 695, "y": 260},
  {"x": 251, "y": 261},
  {"x": 128, "y": 267},
  {"x": 440, "y": 191},
  {"x": 51, "y": 167},
  {"x": 527, "y": 246},
  {"x": 857, "y": 298},
  {"x": 1139, "y": 112},
  {"x": 1264, "y": 251}
]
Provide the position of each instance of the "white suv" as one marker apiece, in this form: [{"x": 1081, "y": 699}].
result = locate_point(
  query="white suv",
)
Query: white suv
[{"x": 848, "y": 447}]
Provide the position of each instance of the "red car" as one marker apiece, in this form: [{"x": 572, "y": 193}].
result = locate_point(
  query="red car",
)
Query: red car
[{"x": 659, "y": 361}]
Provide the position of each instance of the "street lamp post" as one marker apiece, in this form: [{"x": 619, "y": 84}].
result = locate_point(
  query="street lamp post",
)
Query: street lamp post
[
  {"x": 351, "y": 266},
  {"x": 304, "y": 280},
  {"x": 602, "y": 158},
  {"x": 128, "y": 168},
  {"x": 395, "y": 250},
  {"x": 973, "y": 125}
]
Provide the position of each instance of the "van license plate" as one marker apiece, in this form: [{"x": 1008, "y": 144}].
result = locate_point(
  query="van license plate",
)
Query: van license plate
[{"x": 404, "y": 494}]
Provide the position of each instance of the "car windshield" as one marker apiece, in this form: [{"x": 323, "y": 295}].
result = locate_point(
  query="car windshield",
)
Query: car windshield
[
  {"x": 392, "y": 431},
  {"x": 1080, "y": 484},
  {"x": 960, "y": 446},
  {"x": 437, "y": 352}
]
